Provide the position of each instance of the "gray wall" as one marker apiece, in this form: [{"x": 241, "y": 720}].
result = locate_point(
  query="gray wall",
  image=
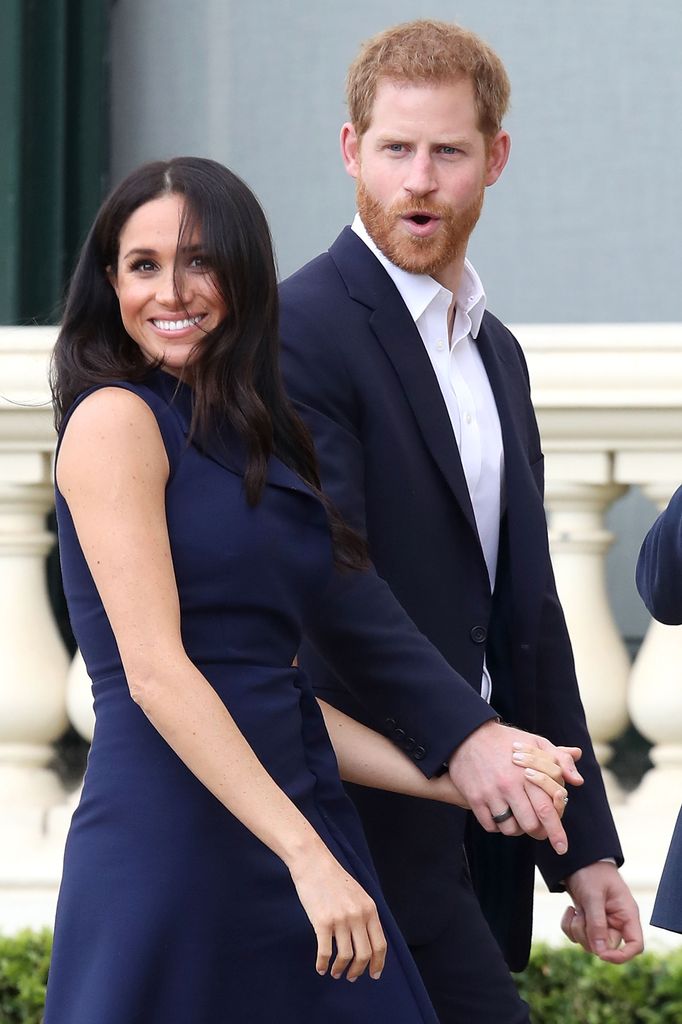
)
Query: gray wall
[{"x": 585, "y": 224}]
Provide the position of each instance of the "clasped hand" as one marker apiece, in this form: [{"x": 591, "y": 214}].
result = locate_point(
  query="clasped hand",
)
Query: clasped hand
[{"x": 531, "y": 782}]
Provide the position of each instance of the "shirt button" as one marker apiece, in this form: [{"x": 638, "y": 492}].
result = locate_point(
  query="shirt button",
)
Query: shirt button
[
  {"x": 468, "y": 417},
  {"x": 440, "y": 345}
]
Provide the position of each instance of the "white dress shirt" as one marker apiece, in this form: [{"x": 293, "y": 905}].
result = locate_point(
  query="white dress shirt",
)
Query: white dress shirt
[{"x": 465, "y": 387}]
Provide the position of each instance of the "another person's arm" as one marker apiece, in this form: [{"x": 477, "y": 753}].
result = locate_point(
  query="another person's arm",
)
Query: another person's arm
[
  {"x": 659, "y": 566},
  {"x": 369, "y": 759}
]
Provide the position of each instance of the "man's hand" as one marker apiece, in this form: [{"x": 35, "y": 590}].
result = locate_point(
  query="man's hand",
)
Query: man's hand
[
  {"x": 604, "y": 918},
  {"x": 483, "y": 771}
]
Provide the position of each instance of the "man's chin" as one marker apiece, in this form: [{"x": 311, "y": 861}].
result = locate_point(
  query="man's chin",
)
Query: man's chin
[{"x": 417, "y": 255}]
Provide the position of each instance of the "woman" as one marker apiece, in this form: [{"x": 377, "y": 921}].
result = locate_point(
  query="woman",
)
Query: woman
[{"x": 214, "y": 861}]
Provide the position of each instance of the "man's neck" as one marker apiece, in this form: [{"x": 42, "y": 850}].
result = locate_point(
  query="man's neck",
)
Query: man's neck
[{"x": 450, "y": 277}]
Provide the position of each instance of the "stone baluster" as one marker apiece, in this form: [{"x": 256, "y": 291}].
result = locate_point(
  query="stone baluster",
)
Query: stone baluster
[
  {"x": 79, "y": 698},
  {"x": 579, "y": 543},
  {"x": 34, "y": 660},
  {"x": 655, "y": 700}
]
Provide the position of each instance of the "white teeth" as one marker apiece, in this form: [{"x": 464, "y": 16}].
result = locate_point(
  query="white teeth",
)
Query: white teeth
[{"x": 177, "y": 325}]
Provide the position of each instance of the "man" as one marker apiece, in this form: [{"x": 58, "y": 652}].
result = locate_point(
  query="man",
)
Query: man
[
  {"x": 659, "y": 581},
  {"x": 419, "y": 403}
]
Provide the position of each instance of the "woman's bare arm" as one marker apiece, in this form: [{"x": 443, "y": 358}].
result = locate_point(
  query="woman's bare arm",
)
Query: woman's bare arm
[
  {"x": 367, "y": 758},
  {"x": 112, "y": 471}
]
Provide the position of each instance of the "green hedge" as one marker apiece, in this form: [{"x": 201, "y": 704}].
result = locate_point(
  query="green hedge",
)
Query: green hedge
[
  {"x": 562, "y": 986},
  {"x": 568, "y": 986},
  {"x": 24, "y": 959}
]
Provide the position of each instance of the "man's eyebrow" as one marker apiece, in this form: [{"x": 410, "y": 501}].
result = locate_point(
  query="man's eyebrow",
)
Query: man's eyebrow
[{"x": 392, "y": 137}]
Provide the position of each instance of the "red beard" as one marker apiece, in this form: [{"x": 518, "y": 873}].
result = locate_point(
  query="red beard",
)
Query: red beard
[{"x": 410, "y": 252}]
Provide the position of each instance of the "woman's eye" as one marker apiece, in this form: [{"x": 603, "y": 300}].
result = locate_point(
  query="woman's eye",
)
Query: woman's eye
[
  {"x": 144, "y": 265},
  {"x": 199, "y": 263}
]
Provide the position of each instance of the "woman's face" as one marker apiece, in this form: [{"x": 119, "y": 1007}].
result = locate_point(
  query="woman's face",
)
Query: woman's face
[{"x": 165, "y": 324}]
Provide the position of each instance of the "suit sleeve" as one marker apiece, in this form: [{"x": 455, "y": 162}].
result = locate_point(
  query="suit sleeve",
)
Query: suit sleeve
[
  {"x": 561, "y": 718},
  {"x": 359, "y": 628},
  {"x": 659, "y": 566},
  {"x": 588, "y": 820}
]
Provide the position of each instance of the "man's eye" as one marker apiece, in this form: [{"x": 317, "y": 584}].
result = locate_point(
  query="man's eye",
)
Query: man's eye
[
  {"x": 449, "y": 150},
  {"x": 396, "y": 147}
]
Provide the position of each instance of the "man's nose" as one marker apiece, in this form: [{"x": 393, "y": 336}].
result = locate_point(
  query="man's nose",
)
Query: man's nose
[{"x": 421, "y": 175}]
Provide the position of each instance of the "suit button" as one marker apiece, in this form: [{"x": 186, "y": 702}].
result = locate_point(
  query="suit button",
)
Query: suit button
[
  {"x": 479, "y": 634},
  {"x": 391, "y": 723},
  {"x": 408, "y": 744},
  {"x": 419, "y": 753},
  {"x": 399, "y": 735}
]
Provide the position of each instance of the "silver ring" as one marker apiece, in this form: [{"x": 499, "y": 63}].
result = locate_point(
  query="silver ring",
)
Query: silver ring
[
  {"x": 565, "y": 799},
  {"x": 503, "y": 816}
]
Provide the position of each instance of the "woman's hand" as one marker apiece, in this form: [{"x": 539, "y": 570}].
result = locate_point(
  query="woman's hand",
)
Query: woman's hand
[
  {"x": 538, "y": 766},
  {"x": 541, "y": 770},
  {"x": 342, "y": 913}
]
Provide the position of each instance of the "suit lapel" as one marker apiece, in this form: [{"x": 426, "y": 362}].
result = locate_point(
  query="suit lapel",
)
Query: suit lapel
[{"x": 396, "y": 332}]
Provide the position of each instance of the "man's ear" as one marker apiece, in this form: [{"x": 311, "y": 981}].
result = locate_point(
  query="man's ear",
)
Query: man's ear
[
  {"x": 350, "y": 149},
  {"x": 498, "y": 154},
  {"x": 111, "y": 278}
]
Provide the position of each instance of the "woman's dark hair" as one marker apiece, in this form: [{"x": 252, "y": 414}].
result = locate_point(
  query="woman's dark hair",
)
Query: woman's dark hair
[{"x": 235, "y": 373}]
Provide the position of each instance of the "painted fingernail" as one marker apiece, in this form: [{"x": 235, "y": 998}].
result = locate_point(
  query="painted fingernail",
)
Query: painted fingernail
[
  {"x": 561, "y": 847},
  {"x": 517, "y": 746},
  {"x": 519, "y": 758},
  {"x": 530, "y": 773},
  {"x": 600, "y": 945}
]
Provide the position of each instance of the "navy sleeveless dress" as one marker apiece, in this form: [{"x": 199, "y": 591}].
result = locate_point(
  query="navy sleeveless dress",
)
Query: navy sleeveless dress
[{"x": 170, "y": 911}]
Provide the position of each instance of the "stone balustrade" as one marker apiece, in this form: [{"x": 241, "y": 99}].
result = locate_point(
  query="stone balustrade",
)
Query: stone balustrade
[{"x": 609, "y": 403}]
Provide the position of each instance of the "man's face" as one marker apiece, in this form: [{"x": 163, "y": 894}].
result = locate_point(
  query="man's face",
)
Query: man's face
[{"x": 421, "y": 169}]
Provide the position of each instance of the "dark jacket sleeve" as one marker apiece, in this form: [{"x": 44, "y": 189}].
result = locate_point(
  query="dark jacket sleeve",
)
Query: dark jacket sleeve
[
  {"x": 359, "y": 627},
  {"x": 588, "y": 820},
  {"x": 560, "y": 717},
  {"x": 659, "y": 566}
]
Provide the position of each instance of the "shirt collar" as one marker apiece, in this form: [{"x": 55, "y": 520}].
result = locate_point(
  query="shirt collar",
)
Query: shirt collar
[{"x": 419, "y": 290}]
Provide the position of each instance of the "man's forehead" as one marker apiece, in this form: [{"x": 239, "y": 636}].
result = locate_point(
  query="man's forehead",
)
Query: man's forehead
[{"x": 441, "y": 102}]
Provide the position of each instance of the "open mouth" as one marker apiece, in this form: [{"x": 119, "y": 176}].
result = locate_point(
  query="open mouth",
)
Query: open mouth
[
  {"x": 420, "y": 224},
  {"x": 178, "y": 325}
]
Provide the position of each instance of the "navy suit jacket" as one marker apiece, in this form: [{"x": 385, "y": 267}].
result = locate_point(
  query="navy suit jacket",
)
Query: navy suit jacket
[
  {"x": 358, "y": 371},
  {"x": 659, "y": 581}
]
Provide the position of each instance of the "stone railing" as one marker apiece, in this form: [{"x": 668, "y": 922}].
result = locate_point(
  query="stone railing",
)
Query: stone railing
[{"x": 609, "y": 402}]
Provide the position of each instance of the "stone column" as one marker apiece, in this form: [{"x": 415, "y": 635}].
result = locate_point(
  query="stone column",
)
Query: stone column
[
  {"x": 79, "y": 698},
  {"x": 579, "y": 543},
  {"x": 34, "y": 661},
  {"x": 655, "y": 699}
]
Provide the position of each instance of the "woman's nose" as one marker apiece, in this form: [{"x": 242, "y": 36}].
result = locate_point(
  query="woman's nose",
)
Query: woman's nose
[{"x": 172, "y": 289}]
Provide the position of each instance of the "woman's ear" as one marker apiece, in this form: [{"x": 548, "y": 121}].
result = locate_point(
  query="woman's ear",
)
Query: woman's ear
[{"x": 111, "y": 278}]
